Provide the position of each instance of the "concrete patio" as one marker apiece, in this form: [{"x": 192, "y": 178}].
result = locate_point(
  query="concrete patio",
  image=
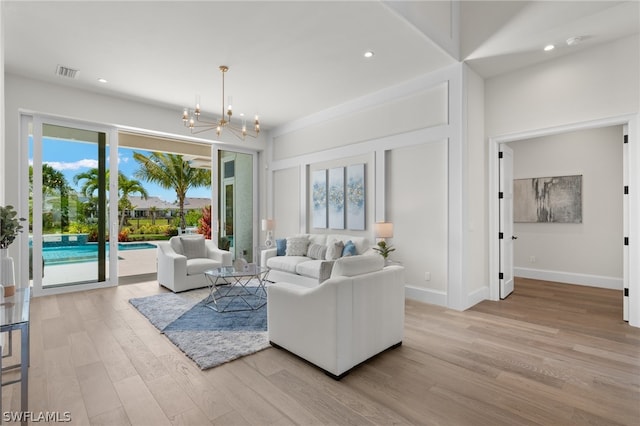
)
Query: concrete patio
[{"x": 131, "y": 264}]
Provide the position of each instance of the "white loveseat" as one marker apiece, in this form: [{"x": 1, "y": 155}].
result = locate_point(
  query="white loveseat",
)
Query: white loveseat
[
  {"x": 183, "y": 260},
  {"x": 342, "y": 322},
  {"x": 308, "y": 265}
]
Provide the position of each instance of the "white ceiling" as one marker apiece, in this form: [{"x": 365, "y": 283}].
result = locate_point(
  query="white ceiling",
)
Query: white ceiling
[{"x": 287, "y": 59}]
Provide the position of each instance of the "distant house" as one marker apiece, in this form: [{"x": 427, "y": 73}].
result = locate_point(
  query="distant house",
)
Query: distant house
[
  {"x": 144, "y": 207},
  {"x": 164, "y": 209},
  {"x": 193, "y": 203}
]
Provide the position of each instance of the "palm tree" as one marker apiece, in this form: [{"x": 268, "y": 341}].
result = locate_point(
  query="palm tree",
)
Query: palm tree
[
  {"x": 90, "y": 184},
  {"x": 170, "y": 171},
  {"x": 153, "y": 210},
  {"x": 126, "y": 187}
]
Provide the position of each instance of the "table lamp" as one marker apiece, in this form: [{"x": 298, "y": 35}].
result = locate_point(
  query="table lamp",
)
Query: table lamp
[{"x": 268, "y": 225}]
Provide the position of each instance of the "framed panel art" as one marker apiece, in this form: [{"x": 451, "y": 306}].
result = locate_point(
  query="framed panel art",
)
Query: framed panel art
[
  {"x": 336, "y": 198},
  {"x": 548, "y": 200},
  {"x": 319, "y": 198},
  {"x": 355, "y": 194}
]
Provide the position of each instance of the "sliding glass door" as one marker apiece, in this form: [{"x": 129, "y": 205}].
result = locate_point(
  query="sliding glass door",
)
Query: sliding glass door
[
  {"x": 236, "y": 200},
  {"x": 70, "y": 207}
]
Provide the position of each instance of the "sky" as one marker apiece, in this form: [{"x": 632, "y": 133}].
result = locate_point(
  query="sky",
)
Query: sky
[{"x": 71, "y": 158}]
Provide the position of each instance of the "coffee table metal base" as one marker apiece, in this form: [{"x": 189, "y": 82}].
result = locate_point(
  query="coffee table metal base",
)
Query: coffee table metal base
[{"x": 226, "y": 288}]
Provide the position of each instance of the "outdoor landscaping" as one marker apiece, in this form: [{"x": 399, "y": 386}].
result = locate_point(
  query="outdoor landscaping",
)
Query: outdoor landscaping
[{"x": 71, "y": 209}]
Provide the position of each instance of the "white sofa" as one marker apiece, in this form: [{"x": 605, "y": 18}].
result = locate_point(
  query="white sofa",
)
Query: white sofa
[
  {"x": 183, "y": 260},
  {"x": 303, "y": 269},
  {"x": 342, "y": 322}
]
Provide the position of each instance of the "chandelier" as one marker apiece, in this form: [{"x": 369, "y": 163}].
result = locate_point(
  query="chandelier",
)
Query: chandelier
[{"x": 192, "y": 118}]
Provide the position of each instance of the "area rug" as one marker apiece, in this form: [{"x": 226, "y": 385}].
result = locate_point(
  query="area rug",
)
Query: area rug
[{"x": 208, "y": 337}]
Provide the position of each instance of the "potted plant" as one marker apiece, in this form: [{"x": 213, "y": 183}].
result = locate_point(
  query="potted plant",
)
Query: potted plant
[
  {"x": 10, "y": 226},
  {"x": 384, "y": 249}
]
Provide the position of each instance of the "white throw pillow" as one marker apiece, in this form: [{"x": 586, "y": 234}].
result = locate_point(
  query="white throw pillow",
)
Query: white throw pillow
[
  {"x": 334, "y": 250},
  {"x": 194, "y": 248},
  {"x": 297, "y": 246}
]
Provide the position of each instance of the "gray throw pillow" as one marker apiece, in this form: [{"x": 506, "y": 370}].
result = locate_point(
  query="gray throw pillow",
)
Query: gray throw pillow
[
  {"x": 317, "y": 251},
  {"x": 297, "y": 246},
  {"x": 193, "y": 247},
  {"x": 176, "y": 245},
  {"x": 334, "y": 251}
]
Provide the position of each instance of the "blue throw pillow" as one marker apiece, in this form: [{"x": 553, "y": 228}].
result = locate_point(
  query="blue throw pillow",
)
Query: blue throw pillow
[
  {"x": 281, "y": 247},
  {"x": 349, "y": 249}
]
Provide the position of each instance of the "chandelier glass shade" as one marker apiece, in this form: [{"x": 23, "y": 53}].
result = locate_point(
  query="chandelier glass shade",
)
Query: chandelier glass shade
[{"x": 192, "y": 118}]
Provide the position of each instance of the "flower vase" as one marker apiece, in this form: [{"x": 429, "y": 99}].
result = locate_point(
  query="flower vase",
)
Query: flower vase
[{"x": 7, "y": 274}]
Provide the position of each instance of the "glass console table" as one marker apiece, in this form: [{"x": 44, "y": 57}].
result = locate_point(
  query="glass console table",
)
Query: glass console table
[{"x": 14, "y": 315}]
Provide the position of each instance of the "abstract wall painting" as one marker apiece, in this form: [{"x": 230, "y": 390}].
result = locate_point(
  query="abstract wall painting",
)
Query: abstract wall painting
[
  {"x": 336, "y": 198},
  {"x": 319, "y": 197},
  {"x": 355, "y": 195},
  {"x": 548, "y": 199}
]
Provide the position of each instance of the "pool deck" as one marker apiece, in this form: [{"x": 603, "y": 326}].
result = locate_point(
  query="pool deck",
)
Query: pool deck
[{"x": 131, "y": 263}]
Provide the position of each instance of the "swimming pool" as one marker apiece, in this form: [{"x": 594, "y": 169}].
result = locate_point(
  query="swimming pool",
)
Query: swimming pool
[{"x": 61, "y": 255}]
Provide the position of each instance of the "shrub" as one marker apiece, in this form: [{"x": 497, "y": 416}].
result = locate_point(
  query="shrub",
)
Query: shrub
[
  {"x": 93, "y": 234},
  {"x": 204, "y": 223},
  {"x": 123, "y": 236}
]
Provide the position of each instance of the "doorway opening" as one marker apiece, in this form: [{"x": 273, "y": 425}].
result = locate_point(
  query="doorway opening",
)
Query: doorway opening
[
  {"x": 155, "y": 215},
  {"x": 630, "y": 208}
]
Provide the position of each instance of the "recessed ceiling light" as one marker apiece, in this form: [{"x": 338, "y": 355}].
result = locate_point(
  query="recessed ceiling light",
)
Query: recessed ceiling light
[
  {"x": 549, "y": 47},
  {"x": 368, "y": 54},
  {"x": 102, "y": 80}
]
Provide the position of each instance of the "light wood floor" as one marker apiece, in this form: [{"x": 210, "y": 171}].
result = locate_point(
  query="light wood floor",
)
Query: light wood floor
[{"x": 550, "y": 354}]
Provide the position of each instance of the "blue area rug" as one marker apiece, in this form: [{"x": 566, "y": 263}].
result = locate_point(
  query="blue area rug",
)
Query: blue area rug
[{"x": 208, "y": 337}]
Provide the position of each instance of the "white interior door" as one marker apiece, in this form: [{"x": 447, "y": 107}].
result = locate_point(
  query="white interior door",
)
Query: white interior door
[{"x": 506, "y": 236}]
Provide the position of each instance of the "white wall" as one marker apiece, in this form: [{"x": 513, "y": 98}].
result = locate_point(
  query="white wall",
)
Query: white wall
[
  {"x": 422, "y": 107},
  {"x": 590, "y": 252},
  {"x": 596, "y": 83},
  {"x": 417, "y": 196},
  {"x": 286, "y": 201},
  {"x": 408, "y": 155},
  {"x": 475, "y": 220}
]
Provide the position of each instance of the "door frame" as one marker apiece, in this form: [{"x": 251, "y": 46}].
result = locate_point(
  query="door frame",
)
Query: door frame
[
  {"x": 633, "y": 166},
  {"x": 112, "y": 138}
]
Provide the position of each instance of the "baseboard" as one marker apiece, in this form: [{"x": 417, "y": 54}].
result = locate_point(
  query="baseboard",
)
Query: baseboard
[
  {"x": 477, "y": 296},
  {"x": 570, "y": 278},
  {"x": 433, "y": 297}
]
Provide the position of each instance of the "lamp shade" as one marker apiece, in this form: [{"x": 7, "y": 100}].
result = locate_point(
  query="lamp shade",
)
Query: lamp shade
[
  {"x": 268, "y": 224},
  {"x": 383, "y": 229}
]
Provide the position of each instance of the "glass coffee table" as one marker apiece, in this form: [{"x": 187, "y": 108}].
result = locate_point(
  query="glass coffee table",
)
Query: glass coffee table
[{"x": 229, "y": 287}]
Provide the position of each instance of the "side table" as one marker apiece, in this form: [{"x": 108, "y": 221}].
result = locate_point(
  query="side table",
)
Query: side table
[{"x": 14, "y": 315}]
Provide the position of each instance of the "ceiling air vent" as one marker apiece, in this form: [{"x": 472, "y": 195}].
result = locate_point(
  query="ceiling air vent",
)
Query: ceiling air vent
[{"x": 66, "y": 72}]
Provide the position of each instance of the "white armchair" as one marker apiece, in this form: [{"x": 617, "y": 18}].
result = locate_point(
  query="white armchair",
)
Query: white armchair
[
  {"x": 342, "y": 322},
  {"x": 183, "y": 260}
]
